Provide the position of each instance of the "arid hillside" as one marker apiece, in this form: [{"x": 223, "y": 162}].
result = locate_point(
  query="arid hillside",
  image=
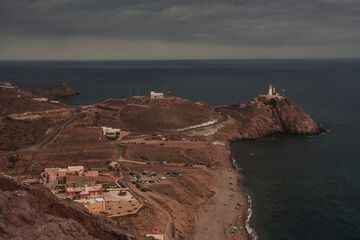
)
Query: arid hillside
[
  {"x": 156, "y": 115},
  {"x": 33, "y": 212},
  {"x": 15, "y": 101},
  {"x": 25, "y": 121},
  {"x": 17, "y": 134}
]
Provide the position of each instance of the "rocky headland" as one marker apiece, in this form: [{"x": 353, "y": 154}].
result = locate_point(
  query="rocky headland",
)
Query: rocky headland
[
  {"x": 63, "y": 90},
  {"x": 264, "y": 116}
]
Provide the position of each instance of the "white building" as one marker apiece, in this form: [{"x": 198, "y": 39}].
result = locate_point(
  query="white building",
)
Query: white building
[
  {"x": 156, "y": 95},
  {"x": 271, "y": 90},
  {"x": 156, "y": 236},
  {"x": 111, "y": 132},
  {"x": 42, "y": 99}
]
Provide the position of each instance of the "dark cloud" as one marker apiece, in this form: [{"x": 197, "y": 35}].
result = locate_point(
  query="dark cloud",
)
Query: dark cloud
[{"x": 253, "y": 23}]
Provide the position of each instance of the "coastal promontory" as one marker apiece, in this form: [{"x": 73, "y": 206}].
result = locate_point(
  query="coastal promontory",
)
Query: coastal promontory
[
  {"x": 63, "y": 90},
  {"x": 264, "y": 116}
]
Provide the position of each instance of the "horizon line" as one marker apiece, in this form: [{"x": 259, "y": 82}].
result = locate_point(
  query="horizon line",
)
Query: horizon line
[{"x": 172, "y": 59}]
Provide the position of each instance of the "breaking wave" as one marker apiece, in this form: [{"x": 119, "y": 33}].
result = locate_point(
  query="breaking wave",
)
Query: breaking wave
[{"x": 249, "y": 230}]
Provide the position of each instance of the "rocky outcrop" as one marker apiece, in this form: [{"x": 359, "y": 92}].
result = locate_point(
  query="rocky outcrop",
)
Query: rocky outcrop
[
  {"x": 21, "y": 219},
  {"x": 264, "y": 116},
  {"x": 64, "y": 89},
  {"x": 33, "y": 212}
]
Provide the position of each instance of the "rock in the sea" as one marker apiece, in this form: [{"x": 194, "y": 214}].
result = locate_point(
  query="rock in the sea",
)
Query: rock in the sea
[{"x": 64, "y": 89}]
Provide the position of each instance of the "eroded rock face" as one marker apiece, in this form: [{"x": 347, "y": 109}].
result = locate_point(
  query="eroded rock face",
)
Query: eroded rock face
[
  {"x": 32, "y": 212},
  {"x": 21, "y": 219},
  {"x": 264, "y": 116}
]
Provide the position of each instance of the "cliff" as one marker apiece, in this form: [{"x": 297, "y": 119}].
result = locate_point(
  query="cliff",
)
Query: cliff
[
  {"x": 264, "y": 116},
  {"x": 33, "y": 212}
]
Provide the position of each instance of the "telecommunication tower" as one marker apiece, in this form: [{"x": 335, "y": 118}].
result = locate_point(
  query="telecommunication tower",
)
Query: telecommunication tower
[{"x": 167, "y": 91}]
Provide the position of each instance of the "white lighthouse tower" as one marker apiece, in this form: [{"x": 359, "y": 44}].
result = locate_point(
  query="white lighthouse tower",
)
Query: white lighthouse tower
[{"x": 270, "y": 90}]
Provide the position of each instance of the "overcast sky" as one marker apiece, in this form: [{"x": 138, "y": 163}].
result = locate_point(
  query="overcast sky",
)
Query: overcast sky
[{"x": 179, "y": 29}]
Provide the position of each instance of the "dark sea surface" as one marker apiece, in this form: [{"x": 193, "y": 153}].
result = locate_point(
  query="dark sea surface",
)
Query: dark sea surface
[{"x": 301, "y": 187}]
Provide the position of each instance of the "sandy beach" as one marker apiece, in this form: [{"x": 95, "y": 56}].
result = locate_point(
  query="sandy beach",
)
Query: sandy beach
[{"x": 224, "y": 216}]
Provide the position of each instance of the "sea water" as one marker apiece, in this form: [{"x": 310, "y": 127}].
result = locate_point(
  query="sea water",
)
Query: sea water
[{"x": 302, "y": 187}]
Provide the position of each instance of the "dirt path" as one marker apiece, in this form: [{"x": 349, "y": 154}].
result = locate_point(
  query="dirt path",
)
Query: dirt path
[{"x": 149, "y": 197}]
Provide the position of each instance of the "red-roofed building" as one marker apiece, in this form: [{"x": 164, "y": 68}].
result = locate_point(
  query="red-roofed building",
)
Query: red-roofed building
[{"x": 84, "y": 192}]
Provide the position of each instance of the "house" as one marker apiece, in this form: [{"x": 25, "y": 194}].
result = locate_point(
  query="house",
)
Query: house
[
  {"x": 53, "y": 173},
  {"x": 92, "y": 173},
  {"x": 154, "y": 95},
  {"x": 71, "y": 170},
  {"x": 156, "y": 236},
  {"x": 84, "y": 192},
  {"x": 93, "y": 205},
  {"x": 41, "y": 99},
  {"x": 111, "y": 132}
]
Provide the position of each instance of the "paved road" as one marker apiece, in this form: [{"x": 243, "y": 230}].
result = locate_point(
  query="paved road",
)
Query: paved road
[{"x": 47, "y": 138}]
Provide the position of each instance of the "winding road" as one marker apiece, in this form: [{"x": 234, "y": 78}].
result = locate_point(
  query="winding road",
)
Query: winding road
[
  {"x": 47, "y": 138},
  {"x": 119, "y": 155}
]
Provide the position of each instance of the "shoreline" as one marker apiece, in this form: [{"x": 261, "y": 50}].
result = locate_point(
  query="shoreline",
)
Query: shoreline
[
  {"x": 225, "y": 215},
  {"x": 248, "y": 210}
]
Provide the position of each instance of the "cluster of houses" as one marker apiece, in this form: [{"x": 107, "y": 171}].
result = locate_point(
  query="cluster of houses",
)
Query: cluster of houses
[
  {"x": 99, "y": 192},
  {"x": 76, "y": 184}
]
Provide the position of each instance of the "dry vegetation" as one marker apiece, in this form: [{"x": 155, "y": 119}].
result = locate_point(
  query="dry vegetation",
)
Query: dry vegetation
[
  {"x": 179, "y": 152},
  {"x": 143, "y": 116},
  {"x": 16, "y": 134},
  {"x": 34, "y": 163},
  {"x": 14, "y": 101},
  {"x": 82, "y": 131}
]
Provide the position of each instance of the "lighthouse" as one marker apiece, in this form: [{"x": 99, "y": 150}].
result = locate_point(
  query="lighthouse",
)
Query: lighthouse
[{"x": 270, "y": 90}]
